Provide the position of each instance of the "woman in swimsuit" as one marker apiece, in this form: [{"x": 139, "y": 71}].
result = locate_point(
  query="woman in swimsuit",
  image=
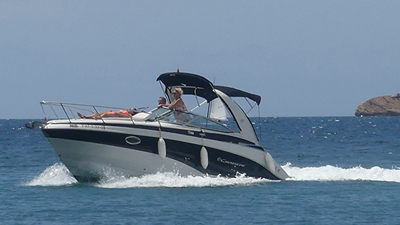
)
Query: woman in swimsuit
[
  {"x": 179, "y": 106},
  {"x": 178, "y": 103}
]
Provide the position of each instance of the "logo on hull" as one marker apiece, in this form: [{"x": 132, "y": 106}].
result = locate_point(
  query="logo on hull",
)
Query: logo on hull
[{"x": 221, "y": 160}]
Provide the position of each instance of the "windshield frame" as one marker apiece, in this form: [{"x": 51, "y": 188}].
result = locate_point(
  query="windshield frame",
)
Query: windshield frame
[{"x": 193, "y": 120}]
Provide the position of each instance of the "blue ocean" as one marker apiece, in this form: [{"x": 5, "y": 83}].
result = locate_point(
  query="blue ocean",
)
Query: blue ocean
[{"x": 344, "y": 170}]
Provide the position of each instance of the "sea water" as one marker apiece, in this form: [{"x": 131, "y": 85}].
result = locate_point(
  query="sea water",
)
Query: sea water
[{"x": 343, "y": 170}]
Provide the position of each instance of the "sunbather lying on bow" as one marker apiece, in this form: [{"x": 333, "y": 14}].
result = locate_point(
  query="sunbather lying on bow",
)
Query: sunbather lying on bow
[{"x": 121, "y": 113}]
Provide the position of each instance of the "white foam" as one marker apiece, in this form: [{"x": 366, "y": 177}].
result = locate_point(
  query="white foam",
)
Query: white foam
[
  {"x": 58, "y": 175},
  {"x": 333, "y": 173},
  {"x": 55, "y": 175},
  {"x": 169, "y": 179}
]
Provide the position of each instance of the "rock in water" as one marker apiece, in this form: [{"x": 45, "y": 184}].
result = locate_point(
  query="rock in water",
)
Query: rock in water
[{"x": 380, "y": 106}]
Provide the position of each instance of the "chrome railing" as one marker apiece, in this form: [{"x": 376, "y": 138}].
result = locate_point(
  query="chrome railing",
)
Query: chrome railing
[{"x": 69, "y": 111}]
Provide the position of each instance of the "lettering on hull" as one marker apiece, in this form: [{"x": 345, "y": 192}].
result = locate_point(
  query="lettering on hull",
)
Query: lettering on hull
[{"x": 221, "y": 160}]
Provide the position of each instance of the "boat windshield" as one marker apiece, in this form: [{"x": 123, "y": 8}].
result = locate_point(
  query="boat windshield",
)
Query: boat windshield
[{"x": 188, "y": 119}]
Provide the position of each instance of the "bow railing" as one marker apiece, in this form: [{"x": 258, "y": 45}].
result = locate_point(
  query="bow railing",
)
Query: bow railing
[{"x": 72, "y": 111}]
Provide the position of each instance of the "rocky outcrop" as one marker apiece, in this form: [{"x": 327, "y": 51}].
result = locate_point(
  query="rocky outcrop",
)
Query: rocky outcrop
[{"x": 388, "y": 105}]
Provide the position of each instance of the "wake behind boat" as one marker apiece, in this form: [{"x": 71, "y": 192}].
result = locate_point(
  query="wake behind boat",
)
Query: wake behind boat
[{"x": 220, "y": 142}]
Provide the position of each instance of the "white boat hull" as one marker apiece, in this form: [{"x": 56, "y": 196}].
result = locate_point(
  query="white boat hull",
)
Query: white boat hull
[
  {"x": 91, "y": 153},
  {"x": 92, "y": 161}
]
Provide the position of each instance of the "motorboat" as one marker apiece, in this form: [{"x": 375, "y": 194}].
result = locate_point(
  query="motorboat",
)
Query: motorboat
[{"x": 215, "y": 138}]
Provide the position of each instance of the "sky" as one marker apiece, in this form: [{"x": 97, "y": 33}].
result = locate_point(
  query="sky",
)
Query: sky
[{"x": 305, "y": 58}]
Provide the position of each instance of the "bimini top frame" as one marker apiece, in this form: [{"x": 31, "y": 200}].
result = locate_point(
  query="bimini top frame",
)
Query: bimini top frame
[{"x": 193, "y": 84}]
